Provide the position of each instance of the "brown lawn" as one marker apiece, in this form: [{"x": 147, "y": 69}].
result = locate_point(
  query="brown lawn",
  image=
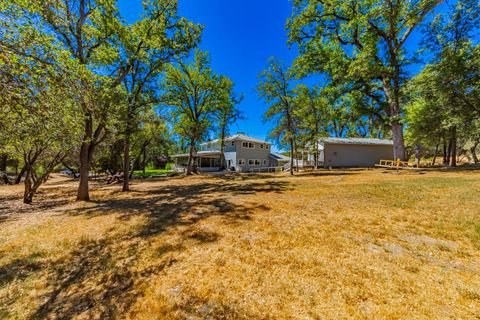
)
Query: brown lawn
[{"x": 326, "y": 245}]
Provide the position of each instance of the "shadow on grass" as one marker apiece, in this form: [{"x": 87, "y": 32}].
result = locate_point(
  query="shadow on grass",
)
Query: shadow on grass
[
  {"x": 103, "y": 278},
  {"x": 97, "y": 280},
  {"x": 11, "y": 206},
  {"x": 20, "y": 269},
  {"x": 174, "y": 205},
  {"x": 279, "y": 176}
]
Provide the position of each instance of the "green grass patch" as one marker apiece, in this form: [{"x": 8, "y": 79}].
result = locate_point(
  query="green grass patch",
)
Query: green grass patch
[
  {"x": 151, "y": 172},
  {"x": 476, "y": 232}
]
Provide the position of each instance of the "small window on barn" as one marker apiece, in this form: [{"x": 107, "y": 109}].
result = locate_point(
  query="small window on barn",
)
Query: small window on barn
[
  {"x": 241, "y": 161},
  {"x": 257, "y": 162},
  {"x": 251, "y": 162},
  {"x": 261, "y": 146},
  {"x": 266, "y": 146}
]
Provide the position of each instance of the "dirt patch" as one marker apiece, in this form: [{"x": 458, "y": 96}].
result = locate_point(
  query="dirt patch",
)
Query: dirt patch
[{"x": 429, "y": 241}]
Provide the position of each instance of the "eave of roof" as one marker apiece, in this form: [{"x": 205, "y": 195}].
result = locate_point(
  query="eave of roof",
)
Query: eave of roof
[
  {"x": 278, "y": 156},
  {"x": 237, "y": 137},
  {"x": 200, "y": 153}
]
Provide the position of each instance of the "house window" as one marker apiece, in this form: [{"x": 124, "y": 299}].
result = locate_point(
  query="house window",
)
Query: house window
[
  {"x": 266, "y": 146},
  {"x": 248, "y": 145},
  {"x": 241, "y": 161},
  {"x": 251, "y": 162},
  {"x": 261, "y": 146},
  {"x": 233, "y": 143},
  {"x": 257, "y": 162},
  {"x": 265, "y": 162}
]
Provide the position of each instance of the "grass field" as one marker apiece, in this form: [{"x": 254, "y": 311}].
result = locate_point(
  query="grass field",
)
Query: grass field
[
  {"x": 151, "y": 172},
  {"x": 325, "y": 245}
]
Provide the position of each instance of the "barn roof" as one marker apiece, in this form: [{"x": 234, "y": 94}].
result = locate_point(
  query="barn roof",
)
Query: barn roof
[{"x": 365, "y": 141}]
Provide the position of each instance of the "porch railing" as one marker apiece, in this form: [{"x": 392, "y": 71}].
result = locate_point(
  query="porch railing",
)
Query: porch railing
[{"x": 267, "y": 169}]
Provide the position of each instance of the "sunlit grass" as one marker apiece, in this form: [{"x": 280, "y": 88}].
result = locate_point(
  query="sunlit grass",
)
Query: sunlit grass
[
  {"x": 151, "y": 172},
  {"x": 332, "y": 244}
]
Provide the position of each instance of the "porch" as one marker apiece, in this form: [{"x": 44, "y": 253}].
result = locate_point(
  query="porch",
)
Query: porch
[{"x": 204, "y": 161}]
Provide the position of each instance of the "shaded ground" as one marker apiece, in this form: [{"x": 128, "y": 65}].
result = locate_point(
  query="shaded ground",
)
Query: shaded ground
[{"x": 328, "y": 244}]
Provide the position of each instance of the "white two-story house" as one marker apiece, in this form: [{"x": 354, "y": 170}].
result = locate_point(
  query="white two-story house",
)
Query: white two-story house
[{"x": 241, "y": 153}]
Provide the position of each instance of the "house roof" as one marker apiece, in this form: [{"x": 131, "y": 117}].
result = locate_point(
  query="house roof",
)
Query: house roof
[
  {"x": 366, "y": 141},
  {"x": 278, "y": 156},
  {"x": 198, "y": 154},
  {"x": 237, "y": 137}
]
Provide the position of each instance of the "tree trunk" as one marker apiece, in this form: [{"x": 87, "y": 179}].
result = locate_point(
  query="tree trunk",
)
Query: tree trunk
[
  {"x": 83, "y": 194},
  {"x": 315, "y": 137},
  {"x": 435, "y": 153},
  {"x": 32, "y": 183},
  {"x": 392, "y": 93},
  {"x": 144, "y": 162},
  {"x": 5, "y": 178},
  {"x": 75, "y": 176},
  {"x": 27, "y": 193},
  {"x": 449, "y": 151},
  {"x": 3, "y": 162},
  {"x": 297, "y": 168},
  {"x": 445, "y": 151},
  {"x": 126, "y": 160},
  {"x": 473, "y": 151},
  {"x": 291, "y": 156},
  {"x": 190, "y": 157},
  {"x": 222, "y": 149},
  {"x": 453, "y": 157},
  {"x": 137, "y": 159},
  {"x": 85, "y": 156},
  {"x": 18, "y": 179},
  {"x": 398, "y": 143}
]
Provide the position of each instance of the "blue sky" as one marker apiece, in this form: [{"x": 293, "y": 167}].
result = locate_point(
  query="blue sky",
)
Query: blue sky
[{"x": 240, "y": 37}]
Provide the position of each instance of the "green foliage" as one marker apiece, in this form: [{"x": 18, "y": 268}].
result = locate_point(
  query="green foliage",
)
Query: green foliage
[
  {"x": 87, "y": 47},
  {"x": 276, "y": 88},
  {"x": 359, "y": 47},
  {"x": 445, "y": 96},
  {"x": 194, "y": 94},
  {"x": 169, "y": 166},
  {"x": 38, "y": 116}
]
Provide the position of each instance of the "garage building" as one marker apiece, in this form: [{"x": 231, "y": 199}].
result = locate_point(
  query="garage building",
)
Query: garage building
[{"x": 353, "y": 152}]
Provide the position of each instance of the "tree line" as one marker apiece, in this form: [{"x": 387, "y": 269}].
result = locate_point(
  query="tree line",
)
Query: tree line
[
  {"x": 363, "y": 66},
  {"x": 82, "y": 88}
]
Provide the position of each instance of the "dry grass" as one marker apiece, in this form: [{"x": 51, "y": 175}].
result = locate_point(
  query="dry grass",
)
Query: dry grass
[{"x": 326, "y": 245}]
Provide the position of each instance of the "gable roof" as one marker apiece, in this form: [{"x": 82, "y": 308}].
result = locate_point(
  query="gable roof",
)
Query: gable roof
[
  {"x": 237, "y": 137},
  {"x": 367, "y": 141}
]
